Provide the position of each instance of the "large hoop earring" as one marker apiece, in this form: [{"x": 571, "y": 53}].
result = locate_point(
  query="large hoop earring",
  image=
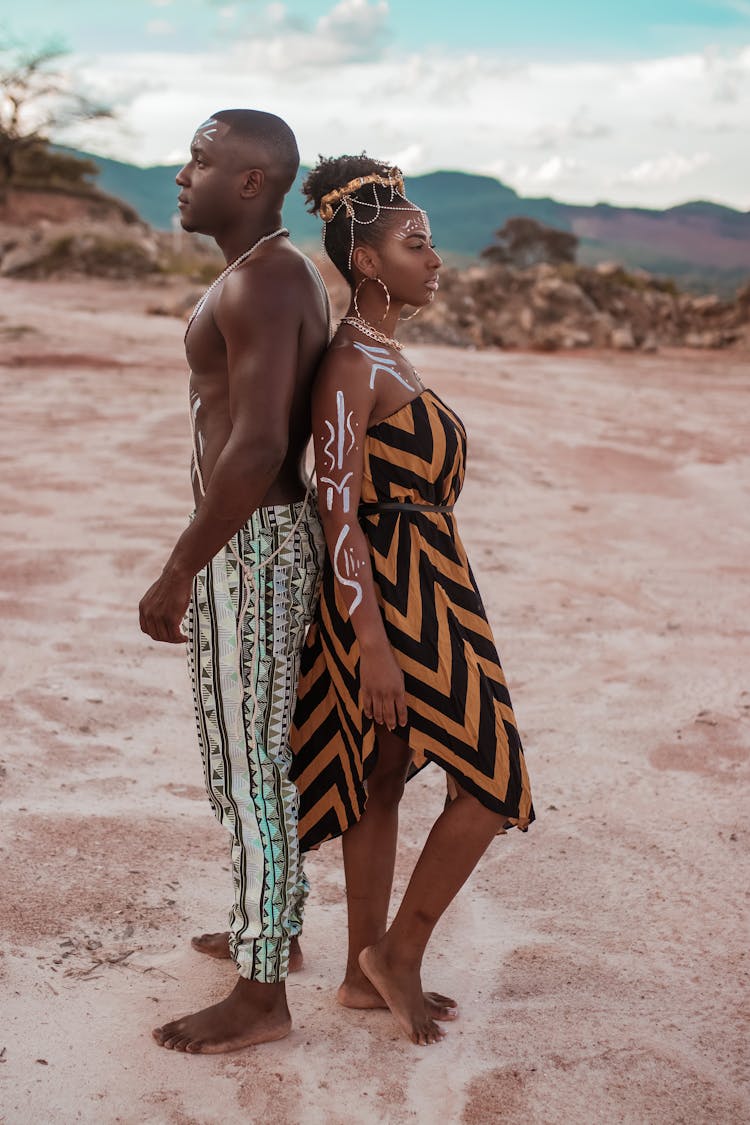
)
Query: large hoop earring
[{"x": 385, "y": 290}]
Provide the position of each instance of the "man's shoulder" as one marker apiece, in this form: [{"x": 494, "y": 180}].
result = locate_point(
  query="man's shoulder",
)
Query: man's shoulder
[{"x": 279, "y": 274}]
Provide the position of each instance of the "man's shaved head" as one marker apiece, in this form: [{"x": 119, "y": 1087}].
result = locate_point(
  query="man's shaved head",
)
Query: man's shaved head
[{"x": 267, "y": 139}]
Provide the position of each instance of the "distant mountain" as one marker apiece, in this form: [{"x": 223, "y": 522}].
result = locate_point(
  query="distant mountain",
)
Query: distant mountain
[{"x": 702, "y": 245}]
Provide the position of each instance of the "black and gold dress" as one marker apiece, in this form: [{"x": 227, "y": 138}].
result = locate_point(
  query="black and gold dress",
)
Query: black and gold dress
[{"x": 460, "y": 713}]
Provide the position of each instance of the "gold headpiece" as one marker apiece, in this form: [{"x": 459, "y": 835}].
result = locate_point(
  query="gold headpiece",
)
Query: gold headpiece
[{"x": 393, "y": 179}]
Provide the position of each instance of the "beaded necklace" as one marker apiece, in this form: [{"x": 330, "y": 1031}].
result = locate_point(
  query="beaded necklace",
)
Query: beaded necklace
[{"x": 229, "y": 269}]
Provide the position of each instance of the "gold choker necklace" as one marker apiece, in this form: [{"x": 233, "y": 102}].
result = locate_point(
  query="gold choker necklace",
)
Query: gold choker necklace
[{"x": 368, "y": 330}]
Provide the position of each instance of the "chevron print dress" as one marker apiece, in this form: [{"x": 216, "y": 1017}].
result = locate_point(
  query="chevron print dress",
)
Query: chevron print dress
[{"x": 460, "y": 713}]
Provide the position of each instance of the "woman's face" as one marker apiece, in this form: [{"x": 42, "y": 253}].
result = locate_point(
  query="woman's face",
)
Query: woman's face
[{"x": 409, "y": 263}]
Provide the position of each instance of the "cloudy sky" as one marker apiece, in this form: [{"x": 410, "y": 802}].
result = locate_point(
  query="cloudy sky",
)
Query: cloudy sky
[{"x": 639, "y": 102}]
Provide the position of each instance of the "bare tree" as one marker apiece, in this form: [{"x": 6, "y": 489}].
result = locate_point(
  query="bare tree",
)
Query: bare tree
[
  {"x": 37, "y": 95},
  {"x": 524, "y": 242}
]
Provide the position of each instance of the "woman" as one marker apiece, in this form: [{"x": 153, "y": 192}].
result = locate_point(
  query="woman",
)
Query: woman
[{"x": 399, "y": 667}]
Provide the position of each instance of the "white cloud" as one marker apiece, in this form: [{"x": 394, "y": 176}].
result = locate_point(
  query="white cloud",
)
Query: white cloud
[
  {"x": 581, "y": 126},
  {"x": 646, "y": 132},
  {"x": 556, "y": 170},
  {"x": 408, "y": 157},
  {"x": 669, "y": 168},
  {"x": 352, "y": 20},
  {"x": 351, "y": 31}
]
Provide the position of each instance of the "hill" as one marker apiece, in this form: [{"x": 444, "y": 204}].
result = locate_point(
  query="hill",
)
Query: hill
[{"x": 703, "y": 245}]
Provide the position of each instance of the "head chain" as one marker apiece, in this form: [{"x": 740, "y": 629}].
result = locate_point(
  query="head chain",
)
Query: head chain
[{"x": 394, "y": 180}]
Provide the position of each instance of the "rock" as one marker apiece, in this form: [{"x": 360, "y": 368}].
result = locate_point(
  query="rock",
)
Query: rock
[
  {"x": 574, "y": 338},
  {"x": 93, "y": 249},
  {"x": 703, "y": 305},
  {"x": 649, "y": 343},
  {"x": 708, "y": 339},
  {"x": 622, "y": 338},
  {"x": 607, "y": 269},
  {"x": 558, "y": 291}
]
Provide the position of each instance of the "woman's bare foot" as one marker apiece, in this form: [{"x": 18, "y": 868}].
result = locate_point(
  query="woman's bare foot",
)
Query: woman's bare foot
[
  {"x": 356, "y": 991},
  {"x": 401, "y": 988},
  {"x": 252, "y": 1013},
  {"x": 217, "y": 945}
]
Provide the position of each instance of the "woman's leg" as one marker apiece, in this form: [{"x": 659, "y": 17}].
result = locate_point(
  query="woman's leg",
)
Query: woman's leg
[
  {"x": 369, "y": 849},
  {"x": 458, "y": 839}
]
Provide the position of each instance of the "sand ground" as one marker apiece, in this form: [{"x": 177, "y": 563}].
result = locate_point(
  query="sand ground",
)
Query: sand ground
[{"x": 601, "y": 961}]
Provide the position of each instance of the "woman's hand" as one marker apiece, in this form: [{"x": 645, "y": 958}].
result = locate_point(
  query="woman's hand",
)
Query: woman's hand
[{"x": 382, "y": 686}]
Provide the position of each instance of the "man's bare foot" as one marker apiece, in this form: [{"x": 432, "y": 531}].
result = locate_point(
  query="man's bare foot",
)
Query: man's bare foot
[
  {"x": 401, "y": 988},
  {"x": 356, "y": 991},
  {"x": 213, "y": 945},
  {"x": 217, "y": 945},
  {"x": 252, "y": 1013}
]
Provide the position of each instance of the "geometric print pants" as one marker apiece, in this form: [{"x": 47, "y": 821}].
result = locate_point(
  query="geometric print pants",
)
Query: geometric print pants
[{"x": 247, "y": 619}]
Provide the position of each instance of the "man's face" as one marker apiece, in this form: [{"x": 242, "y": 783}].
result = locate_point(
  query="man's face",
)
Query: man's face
[{"x": 210, "y": 180}]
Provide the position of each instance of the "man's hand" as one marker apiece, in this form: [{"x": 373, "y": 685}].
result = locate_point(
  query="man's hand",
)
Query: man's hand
[{"x": 163, "y": 607}]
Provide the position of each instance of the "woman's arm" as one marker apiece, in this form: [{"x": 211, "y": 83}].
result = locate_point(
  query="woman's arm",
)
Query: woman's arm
[{"x": 341, "y": 408}]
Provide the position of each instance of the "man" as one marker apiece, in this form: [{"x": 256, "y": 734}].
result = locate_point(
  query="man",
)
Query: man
[{"x": 246, "y": 567}]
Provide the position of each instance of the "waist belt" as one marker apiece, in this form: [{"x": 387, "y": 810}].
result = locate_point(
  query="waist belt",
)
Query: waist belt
[{"x": 374, "y": 509}]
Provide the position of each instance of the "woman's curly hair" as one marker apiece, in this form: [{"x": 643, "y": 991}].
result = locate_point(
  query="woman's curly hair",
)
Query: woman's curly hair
[{"x": 331, "y": 173}]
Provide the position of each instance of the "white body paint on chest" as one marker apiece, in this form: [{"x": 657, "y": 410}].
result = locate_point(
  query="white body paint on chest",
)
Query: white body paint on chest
[{"x": 382, "y": 360}]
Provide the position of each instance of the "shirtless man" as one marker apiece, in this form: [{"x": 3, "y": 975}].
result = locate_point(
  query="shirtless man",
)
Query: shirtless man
[{"x": 245, "y": 570}]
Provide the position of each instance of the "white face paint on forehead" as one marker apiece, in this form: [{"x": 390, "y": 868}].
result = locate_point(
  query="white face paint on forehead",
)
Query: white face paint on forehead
[
  {"x": 416, "y": 223},
  {"x": 210, "y": 130}
]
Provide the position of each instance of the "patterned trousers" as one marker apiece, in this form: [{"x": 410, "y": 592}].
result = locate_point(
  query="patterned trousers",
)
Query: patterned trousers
[{"x": 246, "y": 625}]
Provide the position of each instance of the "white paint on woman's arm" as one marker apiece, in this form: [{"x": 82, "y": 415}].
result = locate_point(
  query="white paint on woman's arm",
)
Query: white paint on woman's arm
[
  {"x": 348, "y": 559},
  {"x": 341, "y": 488},
  {"x": 338, "y": 435}
]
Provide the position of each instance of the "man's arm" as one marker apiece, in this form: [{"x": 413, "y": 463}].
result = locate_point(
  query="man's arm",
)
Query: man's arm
[{"x": 260, "y": 326}]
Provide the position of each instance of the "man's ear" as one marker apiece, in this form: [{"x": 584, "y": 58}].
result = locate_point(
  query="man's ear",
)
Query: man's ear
[
  {"x": 252, "y": 183},
  {"x": 366, "y": 260}
]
